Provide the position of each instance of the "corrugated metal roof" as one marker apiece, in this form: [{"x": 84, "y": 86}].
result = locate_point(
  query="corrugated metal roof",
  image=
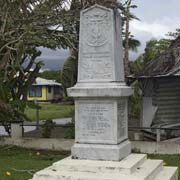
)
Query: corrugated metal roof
[{"x": 40, "y": 81}]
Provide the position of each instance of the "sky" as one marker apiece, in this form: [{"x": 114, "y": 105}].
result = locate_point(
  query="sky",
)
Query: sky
[{"x": 157, "y": 18}]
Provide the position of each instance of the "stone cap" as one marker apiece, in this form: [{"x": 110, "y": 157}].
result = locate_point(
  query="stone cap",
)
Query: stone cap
[{"x": 100, "y": 90}]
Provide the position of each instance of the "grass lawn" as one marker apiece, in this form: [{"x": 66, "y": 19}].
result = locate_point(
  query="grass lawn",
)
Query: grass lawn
[
  {"x": 50, "y": 111},
  {"x": 169, "y": 160},
  {"x": 15, "y": 161}
]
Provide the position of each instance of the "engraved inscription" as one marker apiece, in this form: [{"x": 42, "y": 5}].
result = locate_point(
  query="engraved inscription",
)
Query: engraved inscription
[
  {"x": 95, "y": 121},
  {"x": 122, "y": 118},
  {"x": 96, "y": 50},
  {"x": 96, "y": 66}
]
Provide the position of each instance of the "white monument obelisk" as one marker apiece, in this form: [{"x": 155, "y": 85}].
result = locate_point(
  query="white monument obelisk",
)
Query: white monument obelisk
[
  {"x": 100, "y": 93},
  {"x": 102, "y": 150}
]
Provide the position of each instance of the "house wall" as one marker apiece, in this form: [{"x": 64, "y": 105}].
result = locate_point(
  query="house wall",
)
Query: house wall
[
  {"x": 162, "y": 105},
  {"x": 167, "y": 98},
  {"x": 49, "y": 95},
  {"x": 149, "y": 109},
  {"x": 42, "y": 98}
]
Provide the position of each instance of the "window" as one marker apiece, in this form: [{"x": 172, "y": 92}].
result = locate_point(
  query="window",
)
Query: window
[{"x": 35, "y": 91}]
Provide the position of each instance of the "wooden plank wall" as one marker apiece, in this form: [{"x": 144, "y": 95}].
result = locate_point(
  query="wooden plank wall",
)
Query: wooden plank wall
[{"x": 166, "y": 95}]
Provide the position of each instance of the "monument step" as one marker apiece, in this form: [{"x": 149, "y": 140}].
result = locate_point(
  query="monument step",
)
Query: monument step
[
  {"x": 66, "y": 175},
  {"x": 145, "y": 169},
  {"x": 168, "y": 173},
  {"x": 127, "y": 166},
  {"x": 149, "y": 169}
]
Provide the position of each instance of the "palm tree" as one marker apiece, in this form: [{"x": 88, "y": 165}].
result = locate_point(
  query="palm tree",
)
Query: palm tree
[{"x": 129, "y": 42}]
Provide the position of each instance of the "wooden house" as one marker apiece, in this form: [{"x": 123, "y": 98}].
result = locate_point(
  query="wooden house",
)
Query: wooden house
[
  {"x": 161, "y": 89},
  {"x": 45, "y": 90}
]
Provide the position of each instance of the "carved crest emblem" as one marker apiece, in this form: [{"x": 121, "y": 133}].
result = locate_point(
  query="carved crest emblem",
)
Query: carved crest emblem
[{"x": 97, "y": 26}]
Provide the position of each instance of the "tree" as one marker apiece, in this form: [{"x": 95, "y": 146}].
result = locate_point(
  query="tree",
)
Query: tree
[
  {"x": 54, "y": 75},
  {"x": 175, "y": 34},
  {"x": 129, "y": 42},
  {"x": 24, "y": 26},
  {"x": 154, "y": 48},
  {"x": 69, "y": 70}
]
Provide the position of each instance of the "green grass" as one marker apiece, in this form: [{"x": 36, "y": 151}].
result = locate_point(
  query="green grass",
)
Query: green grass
[
  {"x": 16, "y": 160},
  {"x": 50, "y": 111},
  {"x": 169, "y": 160}
]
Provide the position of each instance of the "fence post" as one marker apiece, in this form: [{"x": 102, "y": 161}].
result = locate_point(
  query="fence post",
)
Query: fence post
[
  {"x": 158, "y": 135},
  {"x": 16, "y": 130}
]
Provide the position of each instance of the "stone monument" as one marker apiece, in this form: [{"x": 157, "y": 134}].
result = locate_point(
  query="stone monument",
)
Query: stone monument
[
  {"x": 102, "y": 150},
  {"x": 100, "y": 93}
]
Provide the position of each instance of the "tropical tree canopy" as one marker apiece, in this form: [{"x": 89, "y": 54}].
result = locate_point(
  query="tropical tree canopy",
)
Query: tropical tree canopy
[
  {"x": 24, "y": 26},
  {"x": 152, "y": 50}
]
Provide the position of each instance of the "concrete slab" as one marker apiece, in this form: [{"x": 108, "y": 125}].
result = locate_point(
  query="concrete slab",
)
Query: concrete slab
[{"x": 134, "y": 167}]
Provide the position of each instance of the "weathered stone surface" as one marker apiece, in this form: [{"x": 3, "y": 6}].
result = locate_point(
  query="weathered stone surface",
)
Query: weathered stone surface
[
  {"x": 100, "y": 90},
  {"x": 100, "y": 93},
  {"x": 101, "y": 121},
  {"x": 100, "y": 52},
  {"x": 133, "y": 167},
  {"x": 101, "y": 152}
]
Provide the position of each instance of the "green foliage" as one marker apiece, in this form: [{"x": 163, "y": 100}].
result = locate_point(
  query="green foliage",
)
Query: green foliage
[
  {"x": 55, "y": 75},
  {"x": 135, "y": 101},
  {"x": 24, "y": 26},
  {"x": 68, "y": 100},
  {"x": 69, "y": 71},
  {"x": 175, "y": 34},
  {"x": 47, "y": 128},
  {"x": 154, "y": 48},
  {"x": 70, "y": 133}
]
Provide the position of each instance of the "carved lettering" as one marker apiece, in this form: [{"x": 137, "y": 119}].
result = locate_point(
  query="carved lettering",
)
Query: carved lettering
[{"x": 95, "y": 120}]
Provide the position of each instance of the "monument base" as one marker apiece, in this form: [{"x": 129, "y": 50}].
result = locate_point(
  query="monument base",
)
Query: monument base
[
  {"x": 133, "y": 167},
  {"x": 101, "y": 152}
]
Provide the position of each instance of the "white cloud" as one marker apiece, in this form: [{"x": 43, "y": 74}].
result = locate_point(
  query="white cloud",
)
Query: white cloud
[{"x": 157, "y": 29}]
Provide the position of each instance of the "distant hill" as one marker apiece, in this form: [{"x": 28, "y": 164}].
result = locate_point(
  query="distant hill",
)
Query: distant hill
[{"x": 53, "y": 59}]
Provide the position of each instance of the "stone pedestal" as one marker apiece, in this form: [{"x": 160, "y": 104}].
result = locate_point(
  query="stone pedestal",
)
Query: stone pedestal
[
  {"x": 100, "y": 93},
  {"x": 101, "y": 121},
  {"x": 133, "y": 167}
]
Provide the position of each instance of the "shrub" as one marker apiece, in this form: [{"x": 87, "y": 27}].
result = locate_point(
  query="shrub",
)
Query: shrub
[{"x": 47, "y": 128}]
